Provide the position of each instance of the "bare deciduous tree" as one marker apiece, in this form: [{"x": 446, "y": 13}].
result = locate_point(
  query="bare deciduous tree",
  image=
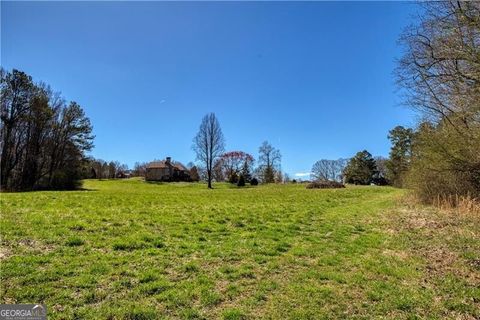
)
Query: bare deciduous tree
[
  {"x": 209, "y": 144},
  {"x": 440, "y": 76},
  {"x": 139, "y": 169},
  {"x": 329, "y": 169},
  {"x": 43, "y": 139},
  {"x": 440, "y": 70},
  {"x": 269, "y": 162}
]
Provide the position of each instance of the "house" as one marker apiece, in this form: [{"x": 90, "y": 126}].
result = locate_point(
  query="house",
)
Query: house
[
  {"x": 166, "y": 170},
  {"x": 124, "y": 174}
]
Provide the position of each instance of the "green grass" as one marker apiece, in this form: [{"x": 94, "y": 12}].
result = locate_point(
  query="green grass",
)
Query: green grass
[{"x": 133, "y": 250}]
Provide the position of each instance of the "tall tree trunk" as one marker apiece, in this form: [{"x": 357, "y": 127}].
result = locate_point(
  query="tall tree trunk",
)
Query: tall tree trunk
[
  {"x": 209, "y": 178},
  {"x": 5, "y": 159}
]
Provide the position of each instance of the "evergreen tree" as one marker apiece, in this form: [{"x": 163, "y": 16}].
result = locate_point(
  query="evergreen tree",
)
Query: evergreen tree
[
  {"x": 246, "y": 171},
  {"x": 361, "y": 169},
  {"x": 241, "y": 181},
  {"x": 400, "y": 154}
]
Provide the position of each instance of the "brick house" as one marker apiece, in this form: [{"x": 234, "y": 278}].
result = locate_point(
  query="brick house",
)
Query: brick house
[{"x": 166, "y": 170}]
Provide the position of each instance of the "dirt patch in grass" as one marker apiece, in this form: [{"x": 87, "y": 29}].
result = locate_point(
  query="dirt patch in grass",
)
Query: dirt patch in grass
[
  {"x": 4, "y": 253},
  {"x": 400, "y": 254},
  {"x": 9, "y": 248}
]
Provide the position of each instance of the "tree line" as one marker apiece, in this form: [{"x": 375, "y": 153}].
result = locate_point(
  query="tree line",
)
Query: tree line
[
  {"x": 101, "y": 169},
  {"x": 43, "y": 138},
  {"x": 213, "y": 163},
  {"x": 439, "y": 76},
  {"x": 362, "y": 169}
]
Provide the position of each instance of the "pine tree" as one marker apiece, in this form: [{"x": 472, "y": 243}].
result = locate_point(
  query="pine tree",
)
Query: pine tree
[
  {"x": 241, "y": 181},
  {"x": 361, "y": 169},
  {"x": 246, "y": 171},
  {"x": 400, "y": 154}
]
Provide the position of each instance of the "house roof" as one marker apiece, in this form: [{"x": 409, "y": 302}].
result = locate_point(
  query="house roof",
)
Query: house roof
[
  {"x": 180, "y": 166},
  {"x": 157, "y": 164},
  {"x": 163, "y": 164}
]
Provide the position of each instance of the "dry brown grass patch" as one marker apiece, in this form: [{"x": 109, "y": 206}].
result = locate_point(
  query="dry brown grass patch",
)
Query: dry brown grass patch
[
  {"x": 458, "y": 204},
  {"x": 433, "y": 233}
]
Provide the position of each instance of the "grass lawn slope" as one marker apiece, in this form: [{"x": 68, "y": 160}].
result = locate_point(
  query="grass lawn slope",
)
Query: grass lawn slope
[{"x": 128, "y": 249}]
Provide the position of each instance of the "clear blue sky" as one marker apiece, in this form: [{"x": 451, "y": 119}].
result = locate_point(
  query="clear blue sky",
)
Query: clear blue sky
[{"x": 313, "y": 78}]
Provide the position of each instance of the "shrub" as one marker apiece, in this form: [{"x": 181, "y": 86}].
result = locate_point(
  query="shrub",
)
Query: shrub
[
  {"x": 233, "y": 178},
  {"x": 64, "y": 179},
  {"x": 254, "y": 182},
  {"x": 325, "y": 184},
  {"x": 444, "y": 166},
  {"x": 241, "y": 181},
  {"x": 380, "y": 181}
]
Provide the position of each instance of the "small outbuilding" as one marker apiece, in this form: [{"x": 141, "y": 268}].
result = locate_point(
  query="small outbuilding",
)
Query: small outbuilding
[{"x": 166, "y": 170}]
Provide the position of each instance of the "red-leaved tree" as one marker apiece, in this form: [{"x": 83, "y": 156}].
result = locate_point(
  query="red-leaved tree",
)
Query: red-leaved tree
[{"x": 236, "y": 163}]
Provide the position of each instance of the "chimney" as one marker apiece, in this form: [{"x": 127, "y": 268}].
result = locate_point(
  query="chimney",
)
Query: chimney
[{"x": 169, "y": 159}]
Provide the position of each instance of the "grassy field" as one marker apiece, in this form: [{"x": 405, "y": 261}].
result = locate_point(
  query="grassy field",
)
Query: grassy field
[{"x": 133, "y": 250}]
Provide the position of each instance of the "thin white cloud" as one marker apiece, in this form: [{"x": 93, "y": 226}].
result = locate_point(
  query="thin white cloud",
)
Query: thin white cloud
[
  {"x": 162, "y": 101},
  {"x": 302, "y": 174}
]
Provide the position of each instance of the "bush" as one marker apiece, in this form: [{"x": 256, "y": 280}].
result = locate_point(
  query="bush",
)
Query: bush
[
  {"x": 241, "y": 181},
  {"x": 254, "y": 182},
  {"x": 380, "y": 181},
  {"x": 233, "y": 178},
  {"x": 63, "y": 179},
  {"x": 325, "y": 184},
  {"x": 445, "y": 165}
]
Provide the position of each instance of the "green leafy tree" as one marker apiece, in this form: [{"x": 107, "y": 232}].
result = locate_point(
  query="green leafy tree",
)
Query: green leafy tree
[{"x": 361, "y": 169}]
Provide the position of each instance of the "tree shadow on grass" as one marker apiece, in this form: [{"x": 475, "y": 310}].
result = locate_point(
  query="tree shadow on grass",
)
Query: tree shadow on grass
[
  {"x": 156, "y": 182},
  {"x": 79, "y": 189},
  {"x": 48, "y": 190}
]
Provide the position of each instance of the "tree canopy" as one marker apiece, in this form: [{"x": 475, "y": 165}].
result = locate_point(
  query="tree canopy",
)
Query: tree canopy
[
  {"x": 361, "y": 169},
  {"x": 440, "y": 75},
  {"x": 43, "y": 138}
]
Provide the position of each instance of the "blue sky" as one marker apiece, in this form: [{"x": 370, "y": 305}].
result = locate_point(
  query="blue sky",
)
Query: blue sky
[{"x": 313, "y": 78}]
